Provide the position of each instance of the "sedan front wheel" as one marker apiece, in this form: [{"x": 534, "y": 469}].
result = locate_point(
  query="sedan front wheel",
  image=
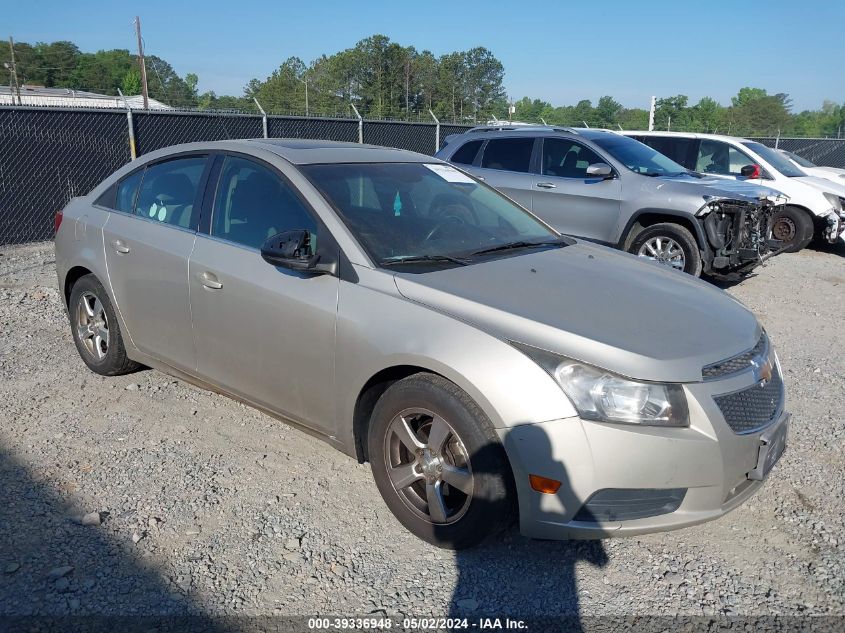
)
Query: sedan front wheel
[{"x": 438, "y": 464}]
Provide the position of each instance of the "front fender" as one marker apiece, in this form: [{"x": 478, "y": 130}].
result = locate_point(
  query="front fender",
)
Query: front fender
[{"x": 378, "y": 329}]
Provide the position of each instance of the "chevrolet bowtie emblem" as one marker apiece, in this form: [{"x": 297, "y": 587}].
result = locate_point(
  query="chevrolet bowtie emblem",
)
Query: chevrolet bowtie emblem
[{"x": 762, "y": 371}]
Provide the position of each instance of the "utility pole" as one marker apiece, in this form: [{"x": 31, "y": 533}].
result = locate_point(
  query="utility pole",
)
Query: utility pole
[
  {"x": 13, "y": 70},
  {"x": 305, "y": 81},
  {"x": 651, "y": 114},
  {"x": 141, "y": 63}
]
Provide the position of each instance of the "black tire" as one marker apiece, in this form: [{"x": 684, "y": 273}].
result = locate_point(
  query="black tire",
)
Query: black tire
[
  {"x": 471, "y": 446},
  {"x": 794, "y": 227},
  {"x": 109, "y": 359},
  {"x": 679, "y": 235}
]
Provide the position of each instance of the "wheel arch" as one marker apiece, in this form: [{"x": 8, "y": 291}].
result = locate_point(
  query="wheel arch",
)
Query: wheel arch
[
  {"x": 369, "y": 395},
  {"x": 73, "y": 275},
  {"x": 644, "y": 218}
]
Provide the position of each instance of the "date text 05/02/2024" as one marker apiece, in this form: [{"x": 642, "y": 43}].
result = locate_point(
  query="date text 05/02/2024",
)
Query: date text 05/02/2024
[{"x": 417, "y": 624}]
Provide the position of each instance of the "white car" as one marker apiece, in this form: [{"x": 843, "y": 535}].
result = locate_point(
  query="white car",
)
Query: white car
[
  {"x": 814, "y": 208},
  {"x": 836, "y": 174}
]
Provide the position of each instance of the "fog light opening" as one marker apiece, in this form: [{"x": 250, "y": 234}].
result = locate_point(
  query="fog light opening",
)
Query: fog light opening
[{"x": 544, "y": 484}]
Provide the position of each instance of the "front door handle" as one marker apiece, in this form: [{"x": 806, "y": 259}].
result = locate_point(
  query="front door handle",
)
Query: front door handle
[
  {"x": 120, "y": 247},
  {"x": 547, "y": 185},
  {"x": 209, "y": 280}
]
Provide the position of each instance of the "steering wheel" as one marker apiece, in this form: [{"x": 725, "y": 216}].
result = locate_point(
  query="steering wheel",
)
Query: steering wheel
[
  {"x": 442, "y": 224},
  {"x": 446, "y": 209}
]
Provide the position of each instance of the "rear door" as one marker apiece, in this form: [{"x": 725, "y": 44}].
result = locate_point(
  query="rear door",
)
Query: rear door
[
  {"x": 565, "y": 197},
  {"x": 264, "y": 333},
  {"x": 505, "y": 163},
  {"x": 148, "y": 240}
]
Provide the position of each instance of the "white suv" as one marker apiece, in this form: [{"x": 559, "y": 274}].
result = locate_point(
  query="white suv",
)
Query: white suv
[{"x": 815, "y": 206}]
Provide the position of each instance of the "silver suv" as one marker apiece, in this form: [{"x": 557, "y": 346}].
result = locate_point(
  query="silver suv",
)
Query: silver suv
[
  {"x": 607, "y": 188},
  {"x": 415, "y": 318}
]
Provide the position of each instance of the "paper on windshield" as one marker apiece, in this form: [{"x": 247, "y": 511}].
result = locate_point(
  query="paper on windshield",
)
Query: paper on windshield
[{"x": 449, "y": 174}]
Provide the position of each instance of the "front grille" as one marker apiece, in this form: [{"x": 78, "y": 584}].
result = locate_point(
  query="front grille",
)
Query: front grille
[
  {"x": 754, "y": 407},
  {"x": 737, "y": 363}
]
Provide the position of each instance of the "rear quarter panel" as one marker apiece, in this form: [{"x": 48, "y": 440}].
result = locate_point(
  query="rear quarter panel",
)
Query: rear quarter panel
[{"x": 79, "y": 241}]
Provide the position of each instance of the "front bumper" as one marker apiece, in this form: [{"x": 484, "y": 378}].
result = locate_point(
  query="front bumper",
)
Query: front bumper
[
  {"x": 714, "y": 465},
  {"x": 832, "y": 226}
]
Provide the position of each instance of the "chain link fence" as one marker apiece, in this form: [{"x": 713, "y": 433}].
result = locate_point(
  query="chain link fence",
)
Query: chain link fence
[
  {"x": 821, "y": 151},
  {"x": 49, "y": 155}
]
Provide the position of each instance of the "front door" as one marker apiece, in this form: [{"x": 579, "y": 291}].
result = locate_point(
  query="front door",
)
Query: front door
[
  {"x": 147, "y": 250},
  {"x": 263, "y": 333},
  {"x": 565, "y": 197}
]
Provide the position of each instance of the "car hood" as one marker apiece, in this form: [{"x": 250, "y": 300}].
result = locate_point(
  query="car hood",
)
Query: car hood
[
  {"x": 711, "y": 187},
  {"x": 823, "y": 184},
  {"x": 597, "y": 305}
]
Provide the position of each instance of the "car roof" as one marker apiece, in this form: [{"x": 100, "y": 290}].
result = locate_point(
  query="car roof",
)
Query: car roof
[
  {"x": 309, "y": 151},
  {"x": 720, "y": 137},
  {"x": 533, "y": 130}
]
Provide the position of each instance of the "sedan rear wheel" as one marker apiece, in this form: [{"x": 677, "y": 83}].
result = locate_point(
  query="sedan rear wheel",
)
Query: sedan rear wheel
[{"x": 96, "y": 332}]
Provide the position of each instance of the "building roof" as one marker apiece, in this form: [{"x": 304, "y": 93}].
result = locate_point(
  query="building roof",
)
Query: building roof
[{"x": 68, "y": 98}]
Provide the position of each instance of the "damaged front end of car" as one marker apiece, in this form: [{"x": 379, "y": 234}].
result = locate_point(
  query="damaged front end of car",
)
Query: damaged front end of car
[{"x": 738, "y": 234}]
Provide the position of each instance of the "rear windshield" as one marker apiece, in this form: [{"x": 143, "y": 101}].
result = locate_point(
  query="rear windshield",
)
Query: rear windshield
[{"x": 803, "y": 162}]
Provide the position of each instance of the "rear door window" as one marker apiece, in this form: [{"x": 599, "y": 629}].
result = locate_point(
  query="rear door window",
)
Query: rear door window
[
  {"x": 566, "y": 159},
  {"x": 509, "y": 154},
  {"x": 717, "y": 157},
  {"x": 466, "y": 154},
  {"x": 168, "y": 191}
]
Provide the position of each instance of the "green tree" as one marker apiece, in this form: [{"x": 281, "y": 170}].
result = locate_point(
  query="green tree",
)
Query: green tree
[
  {"x": 131, "y": 83},
  {"x": 607, "y": 112}
]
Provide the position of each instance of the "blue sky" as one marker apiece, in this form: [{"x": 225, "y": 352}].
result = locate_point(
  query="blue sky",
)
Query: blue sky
[{"x": 562, "y": 52}]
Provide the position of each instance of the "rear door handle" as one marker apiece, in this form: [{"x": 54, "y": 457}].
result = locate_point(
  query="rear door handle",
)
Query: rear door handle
[
  {"x": 120, "y": 247},
  {"x": 209, "y": 280},
  {"x": 547, "y": 185}
]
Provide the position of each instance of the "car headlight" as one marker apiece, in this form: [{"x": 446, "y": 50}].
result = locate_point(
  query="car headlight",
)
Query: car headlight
[
  {"x": 834, "y": 200},
  {"x": 601, "y": 395}
]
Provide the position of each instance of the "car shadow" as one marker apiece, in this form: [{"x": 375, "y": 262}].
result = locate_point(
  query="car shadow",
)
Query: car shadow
[
  {"x": 58, "y": 574},
  {"x": 837, "y": 248},
  {"x": 511, "y": 576}
]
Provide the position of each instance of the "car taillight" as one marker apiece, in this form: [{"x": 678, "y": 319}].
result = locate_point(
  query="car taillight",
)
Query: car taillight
[
  {"x": 756, "y": 172},
  {"x": 57, "y": 221}
]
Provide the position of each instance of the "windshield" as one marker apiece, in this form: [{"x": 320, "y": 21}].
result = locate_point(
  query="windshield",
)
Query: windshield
[
  {"x": 638, "y": 157},
  {"x": 775, "y": 159},
  {"x": 431, "y": 214},
  {"x": 802, "y": 162}
]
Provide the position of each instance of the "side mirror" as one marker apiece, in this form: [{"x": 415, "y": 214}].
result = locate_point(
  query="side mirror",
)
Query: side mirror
[
  {"x": 292, "y": 250},
  {"x": 600, "y": 170},
  {"x": 750, "y": 171}
]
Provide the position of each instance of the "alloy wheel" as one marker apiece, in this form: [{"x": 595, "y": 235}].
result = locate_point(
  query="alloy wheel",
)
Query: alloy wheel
[
  {"x": 428, "y": 466},
  {"x": 663, "y": 250},
  {"x": 92, "y": 325}
]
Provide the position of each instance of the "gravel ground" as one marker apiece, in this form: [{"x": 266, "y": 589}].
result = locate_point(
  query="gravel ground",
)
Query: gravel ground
[{"x": 144, "y": 495}]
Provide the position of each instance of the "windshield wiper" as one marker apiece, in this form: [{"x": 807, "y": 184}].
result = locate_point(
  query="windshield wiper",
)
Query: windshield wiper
[
  {"x": 511, "y": 246},
  {"x": 416, "y": 259}
]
